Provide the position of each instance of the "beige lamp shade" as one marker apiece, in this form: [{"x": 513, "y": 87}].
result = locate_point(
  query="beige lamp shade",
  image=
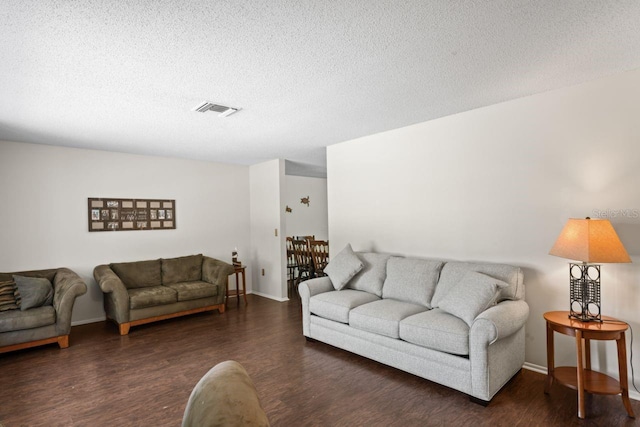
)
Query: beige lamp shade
[{"x": 590, "y": 240}]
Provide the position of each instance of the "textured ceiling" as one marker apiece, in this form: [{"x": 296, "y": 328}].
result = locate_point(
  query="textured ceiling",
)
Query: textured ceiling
[{"x": 125, "y": 75}]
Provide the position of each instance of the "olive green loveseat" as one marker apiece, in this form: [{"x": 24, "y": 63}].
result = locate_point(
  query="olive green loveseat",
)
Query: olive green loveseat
[
  {"x": 44, "y": 314},
  {"x": 147, "y": 291}
]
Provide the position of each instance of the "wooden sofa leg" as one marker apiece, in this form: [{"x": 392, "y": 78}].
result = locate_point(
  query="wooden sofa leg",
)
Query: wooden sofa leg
[
  {"x": 124, "y": 328},
  {"x": 221, "y": 308},
  {"x": 63, "y": 341}
]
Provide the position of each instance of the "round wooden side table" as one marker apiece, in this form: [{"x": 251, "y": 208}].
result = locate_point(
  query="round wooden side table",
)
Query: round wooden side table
[{"x": 582, "y": 378}]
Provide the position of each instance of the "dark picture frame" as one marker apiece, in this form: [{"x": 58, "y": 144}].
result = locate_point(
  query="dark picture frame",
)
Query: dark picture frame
[{"x": 118, "y": 214}]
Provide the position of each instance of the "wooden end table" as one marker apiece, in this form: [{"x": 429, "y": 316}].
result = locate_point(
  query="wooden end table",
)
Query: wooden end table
[
  {"x": 239, "y": 271},
  {"x": 582, "y": 378}
]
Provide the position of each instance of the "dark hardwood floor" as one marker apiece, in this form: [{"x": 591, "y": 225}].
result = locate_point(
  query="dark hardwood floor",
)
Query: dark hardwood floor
[{"x": 145, "y": 378}]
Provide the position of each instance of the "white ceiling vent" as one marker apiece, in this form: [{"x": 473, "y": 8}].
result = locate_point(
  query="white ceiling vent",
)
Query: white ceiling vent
[{"x": 222, "y": 110}]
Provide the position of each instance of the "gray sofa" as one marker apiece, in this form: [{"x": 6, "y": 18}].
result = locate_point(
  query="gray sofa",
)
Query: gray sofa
[
  {"x": 45, "y": 321},
  {"x": 459, "y": 324},
  {"x": 140, "y": 292}
]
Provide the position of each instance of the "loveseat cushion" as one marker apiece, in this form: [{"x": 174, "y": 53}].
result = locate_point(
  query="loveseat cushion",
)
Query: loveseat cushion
[
  {"x": 139, "y": 274},
  {"x": 453, "y": 272},
  {"x": 151, "y": 296},
  {"x": 371, "y": 277},
  {"x": 17, "y": 320},
  {"x": 336, "y": 305},
  {"x": 382, "y": 317},
  {"x": 182, "y": 269},
  {"x": 411, "y": 280},
  {"x": 194, "y": 290},
  {"x": 437, "y": 330}
]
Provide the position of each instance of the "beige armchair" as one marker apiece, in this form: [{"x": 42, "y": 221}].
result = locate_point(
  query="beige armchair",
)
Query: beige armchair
[{"x": 224, "y": 396}]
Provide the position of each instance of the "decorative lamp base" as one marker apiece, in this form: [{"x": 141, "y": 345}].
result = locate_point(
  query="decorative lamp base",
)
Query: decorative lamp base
[{"x": 584, "y": 292}]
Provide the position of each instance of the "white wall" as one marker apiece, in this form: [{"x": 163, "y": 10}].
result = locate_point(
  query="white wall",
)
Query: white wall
[
  {"x": 267, "y": 224},
  {"x": 43, "y": 219},
  {"x": 306, "y": 220},
  {"x": 497, "y": 184}
]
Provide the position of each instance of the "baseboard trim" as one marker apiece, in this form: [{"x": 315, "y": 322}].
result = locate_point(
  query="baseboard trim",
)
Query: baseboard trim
[
  {"x": 535, "y": 368},
  {"x": 260, "y": 294},
  {"x": 87, "y": 321},
  {"x": 543, "y": 370}
]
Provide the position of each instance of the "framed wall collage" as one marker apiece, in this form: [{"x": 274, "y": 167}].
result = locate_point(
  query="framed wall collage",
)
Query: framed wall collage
[{"x": 114, "y": 214}]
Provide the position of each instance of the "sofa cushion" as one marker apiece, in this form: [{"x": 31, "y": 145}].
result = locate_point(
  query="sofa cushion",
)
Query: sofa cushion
[
  {"x": 139, "y": 274},
  {"x": 411, "y": 280},
  {"x": 437, "y": 330},
  {"x": 194, "y": 290},
  {"x": 343, "y": 267},
  {"x": 182, "y": 269},
  {"x": 335, "y": 305},
  {"x": 18, "y": 320},
  {"x": 452, "y": 273},
  {"x": 151, "y": 296},
  {"x": 371, "y": 277},
  {"x": 472, "y": 295},
  {"x": 9, "y": 296},
  {"x": 382, "y": 317},
  {"x": 34, "y": 291}
]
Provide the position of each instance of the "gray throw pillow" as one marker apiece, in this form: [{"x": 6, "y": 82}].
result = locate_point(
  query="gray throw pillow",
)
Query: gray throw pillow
[
  {"x": 471, "y": 296},
  {"x": 411, "y": 280},
  {"x": 343, "y": 267},
  {"x": 372, "y": 276},
  {"x": 34, "y": 291}
]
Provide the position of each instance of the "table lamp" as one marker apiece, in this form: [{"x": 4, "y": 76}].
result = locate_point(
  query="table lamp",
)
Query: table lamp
[{"x": 590, "y": 241}]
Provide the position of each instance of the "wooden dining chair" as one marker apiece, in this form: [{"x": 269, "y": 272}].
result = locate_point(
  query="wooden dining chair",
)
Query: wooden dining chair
[
  {"x": 319, "y": 250},
  {"x": 292, "y": 264},
  {"x": 304, "y": 263}
]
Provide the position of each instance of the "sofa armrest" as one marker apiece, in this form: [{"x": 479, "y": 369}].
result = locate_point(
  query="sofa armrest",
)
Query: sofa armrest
[
  {"x": 500, "y": 321},
  {"x": 307, "y": 289},
  {"x": 316, "y": 286},
  {"x": 496, "y": 347},
  {"x": 116, "y": 296},
  {"x": 216, "y": 271},
  {"x": 67, "y": 286}
]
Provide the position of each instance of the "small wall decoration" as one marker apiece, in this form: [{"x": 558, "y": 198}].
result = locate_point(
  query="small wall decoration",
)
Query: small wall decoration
[
  {"x": 234, "y": 258},
  {"x": 305, "y": 201},
  {"x": 114, "y": 214},
  {"x": 288, "y": 209}
]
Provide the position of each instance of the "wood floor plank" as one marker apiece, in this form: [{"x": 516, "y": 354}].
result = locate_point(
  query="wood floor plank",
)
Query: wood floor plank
[{"x": 145, "y": 378}]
